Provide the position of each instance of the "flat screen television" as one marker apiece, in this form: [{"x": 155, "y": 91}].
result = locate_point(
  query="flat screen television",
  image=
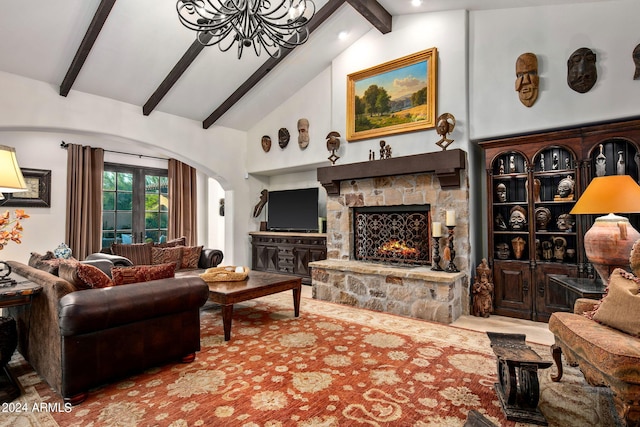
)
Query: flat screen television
[{"x": 293, "y": 210}]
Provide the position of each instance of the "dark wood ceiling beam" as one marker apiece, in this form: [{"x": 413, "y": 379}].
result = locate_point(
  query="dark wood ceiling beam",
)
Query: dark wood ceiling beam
[
  {"x": 318, "y": 19},
  {"x": 176, "y": 72},
  {"x": 374, "y": 13},
  {"x": 99, "y": 18}
]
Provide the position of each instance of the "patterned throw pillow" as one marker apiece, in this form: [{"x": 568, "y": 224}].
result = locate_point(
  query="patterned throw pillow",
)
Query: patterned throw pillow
[
  {"x": 166, "y": 255},
  {"x": 92, "y": 276},
  {"x": 190, "y": 256},
  {"x": 138, "y": 253},
  {"x": 127, "y": 275},
  {"x": 142, "y": 273},
  {"x": 161, "y": 271},
  {"x": 180, "y": 241}
]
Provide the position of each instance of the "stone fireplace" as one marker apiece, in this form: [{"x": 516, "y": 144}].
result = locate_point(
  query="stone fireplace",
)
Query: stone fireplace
[{"x": 400, "y": 284}]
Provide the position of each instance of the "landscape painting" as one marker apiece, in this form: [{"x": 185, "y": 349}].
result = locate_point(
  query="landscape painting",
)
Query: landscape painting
[{"x": 395, "y": 97}]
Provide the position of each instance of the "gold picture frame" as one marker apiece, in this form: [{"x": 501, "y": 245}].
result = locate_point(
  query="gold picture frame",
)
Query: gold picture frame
[
  {"x": 38, "y": 192},
  {"x": 403, "y": 99}
]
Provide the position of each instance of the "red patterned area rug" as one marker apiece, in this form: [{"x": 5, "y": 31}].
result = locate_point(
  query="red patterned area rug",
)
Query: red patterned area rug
[{"x": 332, "y": 366}]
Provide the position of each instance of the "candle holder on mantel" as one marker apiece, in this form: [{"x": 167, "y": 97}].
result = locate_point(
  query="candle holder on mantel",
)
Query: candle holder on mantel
[
  {"x": 451, "y": 266},
  {"x": 436, "y": 254}
]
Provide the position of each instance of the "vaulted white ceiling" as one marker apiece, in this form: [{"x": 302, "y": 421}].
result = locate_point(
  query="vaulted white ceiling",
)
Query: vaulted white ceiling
[{"x": 142, "y": 40}]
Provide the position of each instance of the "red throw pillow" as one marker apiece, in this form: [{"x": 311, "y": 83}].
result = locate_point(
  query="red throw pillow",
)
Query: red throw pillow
[
  {"x": 93, "y": 277},
  {"x": 127, "y": 275},
  {"x": 161, "y": 271},
  {"x": 142, "y": 273}
]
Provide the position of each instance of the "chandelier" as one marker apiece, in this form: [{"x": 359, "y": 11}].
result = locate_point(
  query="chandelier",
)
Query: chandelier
[{"x": 264, "y": 24}]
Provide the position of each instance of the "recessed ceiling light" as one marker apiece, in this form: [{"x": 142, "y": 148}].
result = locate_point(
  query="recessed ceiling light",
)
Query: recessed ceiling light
[
  {"x": 343, "y": 35},
  {"x": 416, "y": 3}
]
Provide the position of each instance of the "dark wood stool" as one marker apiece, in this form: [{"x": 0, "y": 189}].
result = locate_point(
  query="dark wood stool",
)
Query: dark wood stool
[{"x": 518, "y": 389}]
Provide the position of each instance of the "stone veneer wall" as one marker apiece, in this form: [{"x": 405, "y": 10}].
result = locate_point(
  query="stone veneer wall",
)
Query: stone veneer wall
[{"x": 395, "y": 289}]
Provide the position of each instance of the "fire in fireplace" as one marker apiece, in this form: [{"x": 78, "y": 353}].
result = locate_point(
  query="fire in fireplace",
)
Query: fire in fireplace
[{"x": 396, "y": 235}]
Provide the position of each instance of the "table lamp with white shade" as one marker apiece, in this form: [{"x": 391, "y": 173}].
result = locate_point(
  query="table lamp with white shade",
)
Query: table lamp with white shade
[
  {"x": 609, "y": 241},
  {"x": 11, "y": 181}
]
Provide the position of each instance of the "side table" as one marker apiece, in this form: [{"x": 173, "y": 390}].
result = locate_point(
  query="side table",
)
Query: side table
[
  {"x": 19, "y": 294},
  {"x": 579, "y": 287}
]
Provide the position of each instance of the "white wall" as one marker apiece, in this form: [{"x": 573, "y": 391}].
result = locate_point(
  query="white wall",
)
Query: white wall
[
  {"x": 312, "y": 102},
  {"x": 291, "y": 167},
  {"x": 323, "y": 102},
  {"x": 44, "y": 230},
  {"x": 34, "y": 110},
  {"x": 447, "y": 31},
  {"x": 411, "y": 33},
  {"x": 553, "y": 33}
]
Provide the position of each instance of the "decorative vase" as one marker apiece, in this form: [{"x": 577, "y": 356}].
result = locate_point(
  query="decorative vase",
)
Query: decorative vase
[
  {"x": 62, "y": 251},
  {"x": 608, "y": 244}
]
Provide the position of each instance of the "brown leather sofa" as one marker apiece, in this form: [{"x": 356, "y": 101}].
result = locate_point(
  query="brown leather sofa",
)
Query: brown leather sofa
[
  {"x": 209, "y": 258},
  {"x": 80, "y": 339}
]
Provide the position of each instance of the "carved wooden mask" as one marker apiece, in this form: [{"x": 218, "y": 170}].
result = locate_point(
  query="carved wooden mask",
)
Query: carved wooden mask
[
  {"x": 303, "y": 133},
  {"x": 582, "y": 73},
  {"x": 266, "y": 143},
  {"x": 527, "y": 78}
]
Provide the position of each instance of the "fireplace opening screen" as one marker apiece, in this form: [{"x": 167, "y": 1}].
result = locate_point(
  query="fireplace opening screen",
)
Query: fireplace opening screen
[{"x": 396, "y": 235}]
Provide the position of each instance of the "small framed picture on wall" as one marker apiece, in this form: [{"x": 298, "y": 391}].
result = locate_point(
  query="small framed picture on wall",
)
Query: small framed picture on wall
[{"x": 38, "y": 192}]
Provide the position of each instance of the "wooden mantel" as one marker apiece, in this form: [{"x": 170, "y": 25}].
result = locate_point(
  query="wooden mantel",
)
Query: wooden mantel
[{"x": 445, "y": 164}]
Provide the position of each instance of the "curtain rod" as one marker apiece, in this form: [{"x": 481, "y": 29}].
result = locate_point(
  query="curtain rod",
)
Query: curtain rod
[{"x": 66, "y": 145}]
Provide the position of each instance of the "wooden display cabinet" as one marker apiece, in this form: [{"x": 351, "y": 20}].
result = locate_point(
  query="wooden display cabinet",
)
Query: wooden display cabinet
[{"x": 529, "y": 176}]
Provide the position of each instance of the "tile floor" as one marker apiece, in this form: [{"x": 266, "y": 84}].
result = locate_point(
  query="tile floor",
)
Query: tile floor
[{"x": 536, "y": 332}]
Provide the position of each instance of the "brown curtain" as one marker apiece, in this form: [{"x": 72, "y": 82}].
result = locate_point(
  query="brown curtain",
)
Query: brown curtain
[
  {"x": 83, "y": 232},
  {"x": 182, "y": 202}
]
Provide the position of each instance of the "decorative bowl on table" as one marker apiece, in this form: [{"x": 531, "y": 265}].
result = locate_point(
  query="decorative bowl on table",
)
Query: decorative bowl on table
[{"x": 229, "y": 273}]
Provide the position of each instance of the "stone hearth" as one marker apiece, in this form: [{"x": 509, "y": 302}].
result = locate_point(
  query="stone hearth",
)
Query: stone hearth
[
  {"x": 438, "y": 180},
  {"x": 413, "y": 292}
]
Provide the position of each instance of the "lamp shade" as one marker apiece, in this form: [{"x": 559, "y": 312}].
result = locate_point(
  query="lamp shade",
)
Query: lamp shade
[
  {"x": 609, "y": 194},
  {"x": 11, "y": 179}
]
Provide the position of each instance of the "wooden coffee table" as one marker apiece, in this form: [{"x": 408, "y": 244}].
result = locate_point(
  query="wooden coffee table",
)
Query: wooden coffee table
[{"x": 258, "y": 284}]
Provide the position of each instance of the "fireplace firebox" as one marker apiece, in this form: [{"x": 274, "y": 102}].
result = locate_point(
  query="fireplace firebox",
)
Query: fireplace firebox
[{"x": 397, "y": 235}]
